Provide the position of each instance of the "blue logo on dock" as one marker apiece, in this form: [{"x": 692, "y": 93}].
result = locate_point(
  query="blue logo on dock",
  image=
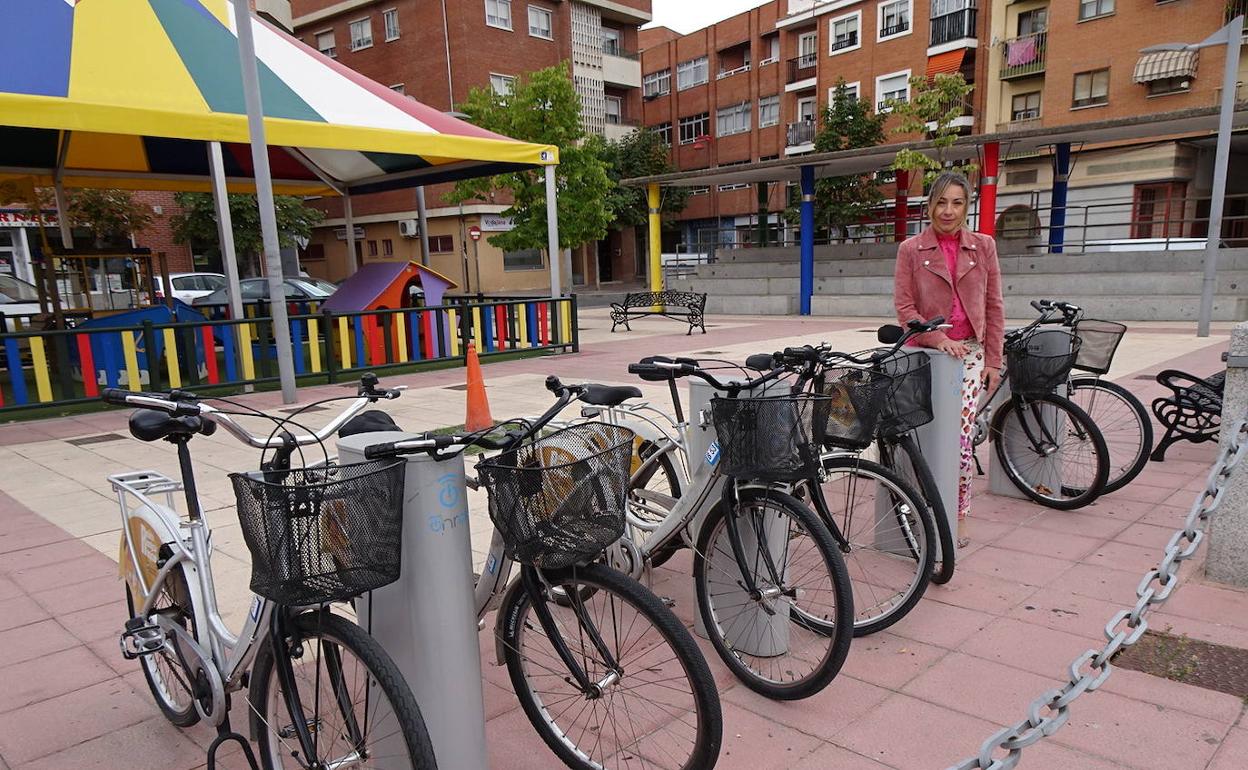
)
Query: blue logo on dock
[{"x": 712, "y": 453}]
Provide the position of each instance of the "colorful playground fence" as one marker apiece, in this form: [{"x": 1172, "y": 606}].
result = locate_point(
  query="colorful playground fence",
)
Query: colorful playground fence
[{"x": 56, "y": 368}]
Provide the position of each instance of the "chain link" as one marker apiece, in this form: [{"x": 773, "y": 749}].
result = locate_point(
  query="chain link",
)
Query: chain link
[{"x": 1049, "y": 712}]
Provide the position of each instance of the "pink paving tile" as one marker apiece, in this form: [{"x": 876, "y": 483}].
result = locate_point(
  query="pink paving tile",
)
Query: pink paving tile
[
  {"x": 1132, "y": 558},
  {"x": 1209, "y": 603},
  {"x": 31, "y": 537},
  {"x": 939, "y": 624},
  {"x": 822, "y": 715},
  {"x": 1119, "y": 508},
  {"x": 1144, "y": 494},
  {"x": 153, "y": 744},
  {"x": 27, "y": 642},
  {"x": 1154, "y": 476},
  {"x": 1043, "y": 651},
  {"x": 68, "y": 720},
  {"x": 1233, "y": 753},
  {"x": 983, "y": 592},
  {"x": 1005, "y": 510},
  {"x": 752, "y": 742},
  {"x": 1210, "y": 704},
  {"x": 1047, "y": 754},
  {"x": 9, "y": 589},
  {"x": 1145, "y": 535},
  {"x": 987, "y": 531},
  {"x": 1169, "y": 516},
  {"x": 498, "y": 701},
  {"x": 40, "y": 556},
  {"x": 828, "y": 756},
  {"x": 1218, "y": 633},
  {"x": 1140, "y": 734},
  {"x": 50, "y": 675},
  {"x": 20, "y": 611},
  {"x": 1033, "y": 569},
  {"x": 95, "y": 623},
  {"x": 1099, "y": 583},
  {"x": 82, "y": 596},
  {"x": 15, "y": 517},
  {"x": 93, "y": 567},
  {"x": 109, "y": 653},
  {"x": 1068, "y": 612},
  {"x": 909, "y": 733},
  {"x": 957, "y": 682},
  {"x": 889, "y": 661},
  {"x": 1057, "y": 545},
  {"x": 1081, "y": 522}
]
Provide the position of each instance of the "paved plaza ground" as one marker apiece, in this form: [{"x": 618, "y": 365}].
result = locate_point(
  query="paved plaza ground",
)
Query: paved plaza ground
[{"x": 1033, "y": 591}]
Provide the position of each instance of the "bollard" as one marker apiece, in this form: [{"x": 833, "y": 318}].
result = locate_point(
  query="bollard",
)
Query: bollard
[
  {"x": 1228, "y": 531},
  {"x": 1051, "y": 467},
  {"x": 426, "y": 620}
]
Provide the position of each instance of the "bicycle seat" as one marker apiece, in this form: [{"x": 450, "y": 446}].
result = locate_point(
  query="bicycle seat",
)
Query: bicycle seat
[
  {"x": 153, "y": 424},
  {"x": 609, "y": 395}
]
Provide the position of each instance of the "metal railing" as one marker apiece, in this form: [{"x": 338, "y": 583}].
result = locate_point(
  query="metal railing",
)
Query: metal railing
[
  {"x": 848, "y": 41},
  {"x": 802, "y": 67},
  {"x": 1024, "y": 55},
  {"x": 734, "y": 71},
  {"x": 615, "y": 50},
  {"x": 799, "y": 133},
  {"x": 954, "y": 26},
  {"x": 1020, "y": 124},
  {"x": 894, "y": 29}
]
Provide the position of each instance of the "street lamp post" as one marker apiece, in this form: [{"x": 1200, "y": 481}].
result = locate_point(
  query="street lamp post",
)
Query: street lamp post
[{"x": 1229, "y": 36}]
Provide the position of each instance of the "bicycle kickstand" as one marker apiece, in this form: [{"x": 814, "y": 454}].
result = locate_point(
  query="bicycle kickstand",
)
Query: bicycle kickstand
[{"x": 224, "y": 734}]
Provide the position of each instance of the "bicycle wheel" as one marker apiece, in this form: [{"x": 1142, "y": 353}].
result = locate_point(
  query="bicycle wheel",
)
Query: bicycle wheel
[
  {"x": 358, "y": 706},
  {"x": 789, "y": 639},
  {"x": 656, "y": 708},
  {"x": 891, "y": 536},
  {"x": 652, "y": 492},
  {"x": 902, "y": 456},
  {"x": 1051, "y": 451},
  {"x": 170, "y": 684},
  {"x": 1122, "y": 420}
]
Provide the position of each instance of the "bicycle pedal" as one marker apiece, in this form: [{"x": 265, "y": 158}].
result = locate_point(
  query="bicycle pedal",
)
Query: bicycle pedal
[{"x": 139, "y": 640}]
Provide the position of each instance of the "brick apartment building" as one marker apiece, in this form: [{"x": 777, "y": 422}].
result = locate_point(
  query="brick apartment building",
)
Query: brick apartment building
[
  {"x": 436, "y": 52},
  {"x": 753, "y": 86}
]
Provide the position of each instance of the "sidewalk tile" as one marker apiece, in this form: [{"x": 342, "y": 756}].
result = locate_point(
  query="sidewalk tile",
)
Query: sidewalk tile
[
  {"x": 1233, "y": 754},
  {"x": 823, "y": 715},
  {"x": 96, "y": 593},
  {"x": 1057, "y": 545},
  {"x": 1171, "y": 517},
  {"x": 153, "y": 744},
  {"x": 939, "y": 624},
  {"x": 889, "y": 661},
  {"x": 1034, "y": 569},
  {"x": 1145, "y": 535},
  {"x": 68, "y": 720},
  {"x": 28, "y": 642},
  {"x": 759, "y": 743},
  {"x": 48, "y": 676},
  {"x": 1113, "y": 585},
  {"x": 1139, "y": 734},
  {"x": 89, "y": 567},
  {"x": 828, "y": 756},
  {"x": 1082, "y": 522},
  {"x": 958, "y": 681},
  {"x": 909, "y": 733},
  {"x": 57, "y": 553},
  {"x": 1210, "y": 704},
  {"x": 31, "y": 537},
  {"x": 984, "y": 592},
  {"x": 1068, "y": 612},
  {"x": 1043, "y": 651},
  {"x": 20, "y": 611},
  {"x": 1132, "y": 558},
  {"x": 96, "y": 623}
]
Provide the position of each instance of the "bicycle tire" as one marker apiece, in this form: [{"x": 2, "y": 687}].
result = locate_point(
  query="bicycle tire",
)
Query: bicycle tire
[
  {"x": 834, "y": 624},
  {"x": 403, "y": 717},
  {"x": 183, "y": 611},
  {"x": 915, "y": 471},
  {"x": 1128, "y": 429},
  {"x": 664, "y": 470},
  {"x": 889, "y": 560},
  {"x": 614, "y": 592},
  {"x": 1019, "y": 455}
]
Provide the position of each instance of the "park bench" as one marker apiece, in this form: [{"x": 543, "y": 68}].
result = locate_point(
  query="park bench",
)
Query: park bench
[
  {"x": 679, "y": 305},
  {"x": 1192, "y": 411}
]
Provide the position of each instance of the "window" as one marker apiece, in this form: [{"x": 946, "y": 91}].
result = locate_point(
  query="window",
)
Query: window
[
  {"x": 387, "y": 247},
  {"x": 769, "y": 111},
  {"x": 502, "y": 84},
  {"x": 894, "y": 18},
  {"x": 1025, "y": 106},
  {"x": 733, "y": 120},
  {"x": 398, "y": 88},
  {"x": 851, "y": 92},
  {"x": 441, "y": 244},
  {"x": 325, "y": 44},
  {"x": 664, "y": 132},
  {"x": 844, "y": 33},
  {"x": 1090, "y": 9},
  {"x": 361, "y": 34},
  {"x": 372, "y": 248},
  {"x": 691, "y": 73},
  {"x": 699, "y": 190},
  {"x": 946, "y": 7},
  {"x": 615, "y": 106},
  {"x": 391, "y": 19},
  {"x": 611, "y": 41},
  {"x": 498, "y": 13},
  {"x": 657, "y": 83},
  {"x": 807, "y": 50},
  {"x": 771, "y": 46},
  {"x": 541, "y": 23},
  {"x": 525, "y": 259},
  {"x": 694, "y": 126},
  {"x": 894, "y": 86},
  {"x": 1091, "y": 88},
  {"x": 1163, "y": 86},
  {"x": 1030, "y": 22}
]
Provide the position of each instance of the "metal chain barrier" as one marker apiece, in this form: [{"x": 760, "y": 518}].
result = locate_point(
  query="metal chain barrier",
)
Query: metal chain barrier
[{"x": 1047, "y": 714}]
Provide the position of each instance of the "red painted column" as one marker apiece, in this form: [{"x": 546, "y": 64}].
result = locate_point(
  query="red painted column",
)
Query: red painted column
[
  {"x": 900, "y": 205},
  {"x": 988, "y": 188}
]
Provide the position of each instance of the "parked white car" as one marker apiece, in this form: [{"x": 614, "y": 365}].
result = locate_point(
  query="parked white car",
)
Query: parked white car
[{"x": 188, "y": 287}]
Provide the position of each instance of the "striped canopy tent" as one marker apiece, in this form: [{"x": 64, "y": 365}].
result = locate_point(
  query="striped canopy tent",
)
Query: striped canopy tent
[{"x": 127, "y": 94}]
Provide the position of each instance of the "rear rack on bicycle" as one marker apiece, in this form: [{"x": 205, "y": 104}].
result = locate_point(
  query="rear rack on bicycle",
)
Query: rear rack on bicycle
[{"x": 142, "y": 485}]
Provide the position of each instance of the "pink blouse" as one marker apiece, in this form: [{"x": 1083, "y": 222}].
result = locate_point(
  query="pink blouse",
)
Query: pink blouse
[{"x": 962, "y": 330}]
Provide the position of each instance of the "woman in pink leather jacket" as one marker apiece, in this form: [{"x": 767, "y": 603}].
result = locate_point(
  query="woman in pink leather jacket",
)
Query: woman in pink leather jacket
[{"x": 949, "y": 271}]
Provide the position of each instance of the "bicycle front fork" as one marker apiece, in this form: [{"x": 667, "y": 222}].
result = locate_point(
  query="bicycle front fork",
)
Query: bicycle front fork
[{"x": 592, "y": 689}]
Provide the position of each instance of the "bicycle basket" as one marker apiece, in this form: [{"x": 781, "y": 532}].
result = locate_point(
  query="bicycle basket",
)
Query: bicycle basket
[
  {"x": 908, "y": 401},
  {"x": 1041, "y": 361},
  {"x": 558, "y": 500},
  {"x": 1099, "y": 340},
  {"x": 856, "y": 402},
  {"x": 771, "y": 438},
  {"x": 322, "y": 534}
]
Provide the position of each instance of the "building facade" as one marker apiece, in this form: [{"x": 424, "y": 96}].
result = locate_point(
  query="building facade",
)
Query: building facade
[{"x": 436, "y": 52}]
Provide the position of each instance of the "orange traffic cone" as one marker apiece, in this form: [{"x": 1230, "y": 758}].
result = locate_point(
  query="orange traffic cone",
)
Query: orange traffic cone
[{"x": 478, "y": 417}]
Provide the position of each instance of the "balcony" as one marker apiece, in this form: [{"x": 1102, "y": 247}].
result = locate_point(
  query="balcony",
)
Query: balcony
[
  {"x": 621, "y": 68},
  {"x": 965, "y": 119},
  {"x": 959, "y": 25},
  {"x": 802, "y": 67},
  {"x": 846, "y": 41},
  {"x": 617, "y": 127},
  {"x": 894, "y": 29},
  {"x": 799, "y": 133},
  {"x": 1024, "y": 122},
  {"x": 1024, "y": 56}
]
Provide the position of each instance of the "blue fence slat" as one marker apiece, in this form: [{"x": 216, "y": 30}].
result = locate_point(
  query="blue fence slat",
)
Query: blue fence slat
[
  {"x": 17, "y": 380},
  {"x": 110, "y": 345},
  {"x": 296, "y": 342},
  {"x": 530, "y": 317},
  {"x": 360, "y": 359},
  {"x": 227, "y": 348},
  {"x": 413, "y": 332}
]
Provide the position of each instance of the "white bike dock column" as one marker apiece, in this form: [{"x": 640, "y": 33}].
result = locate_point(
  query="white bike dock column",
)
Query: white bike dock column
[
  {"x": 1048, "y": 470},
  {"x": 425, "y": 620}
]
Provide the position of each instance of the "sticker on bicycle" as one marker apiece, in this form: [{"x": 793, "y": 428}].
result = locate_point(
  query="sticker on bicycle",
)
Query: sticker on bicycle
[
  {"x": 712, "y": 453},
  {"x": 491, "y": 564},
  {"x": 255, "y": 608}
]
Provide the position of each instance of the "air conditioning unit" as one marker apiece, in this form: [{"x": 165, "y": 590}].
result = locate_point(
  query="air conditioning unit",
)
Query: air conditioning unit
[{"x": 409, "y": 228}]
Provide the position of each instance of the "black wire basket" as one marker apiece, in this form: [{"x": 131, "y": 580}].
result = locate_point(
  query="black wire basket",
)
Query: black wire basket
[
  {"x": 856, "y": 400},
  {"x": 908, "y": 401},
  {"x": 558, "y": 500},
  {"x": 770, "y": 438},
  {"x": 323, "y": 534},
  {"x": 1040, "y": 362},
  {"x": 1098, "y": 343}
]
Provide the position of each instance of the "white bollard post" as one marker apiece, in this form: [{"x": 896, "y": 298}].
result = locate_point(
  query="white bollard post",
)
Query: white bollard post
[{"x": 1228, "y": 529}]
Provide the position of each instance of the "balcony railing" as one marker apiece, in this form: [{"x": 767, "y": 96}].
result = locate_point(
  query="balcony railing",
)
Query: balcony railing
[
  {"x": 801, "y": 132},
  {"x": 894, "y": 29},
  {"x": 802, "y": 67},
  {"x": 1022, "y": 124},
  {"x": 1024, "y": 55},
  {"x": 612, "y": 49},
  {"x": 622, "y": 120},
  {"x": 885, "y": 104},
  {"x": 848, "y": 41},
  {"x": 734, "y": 71},
  {"x": 954, "y": 26}
]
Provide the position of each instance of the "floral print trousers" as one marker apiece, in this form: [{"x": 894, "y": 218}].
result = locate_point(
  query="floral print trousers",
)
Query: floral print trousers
[{"x": 972, "y": 386}]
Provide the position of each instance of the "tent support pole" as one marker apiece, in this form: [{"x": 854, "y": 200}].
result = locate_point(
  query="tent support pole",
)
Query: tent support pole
[
  {"x": 423, "y": 218},
  {"x": 225, "y": 228},
  {"x": 552, "y": 233},
  {"x": 264, "y": 196},
  {"x": 353, "y": 259}
]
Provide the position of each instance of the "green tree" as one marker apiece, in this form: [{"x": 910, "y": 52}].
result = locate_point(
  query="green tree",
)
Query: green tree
[
  {"x": 111, "y": 215},
  {"x": 197, "y": 223},
  {"x": 640, "y": 153},
  {"x": 936, "y": 102},
  {"x": 543, "y": 108}
]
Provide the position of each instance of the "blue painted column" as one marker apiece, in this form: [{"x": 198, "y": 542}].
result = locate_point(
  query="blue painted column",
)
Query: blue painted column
[
  {"x": 1057, "y": 209},
  {"x": 808, "y": 240}
]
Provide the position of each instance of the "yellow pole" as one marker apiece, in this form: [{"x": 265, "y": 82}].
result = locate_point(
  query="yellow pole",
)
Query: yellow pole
[
  {"x": 171, "y": 356},
  {"x": 314, "y": 346},
  {"x": 655, "y": 240}
]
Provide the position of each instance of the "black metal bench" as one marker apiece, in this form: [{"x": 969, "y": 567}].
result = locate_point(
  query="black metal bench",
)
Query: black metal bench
[
  {"x": 1192, "y": 412},
  {"x": 641, "y": 303}
]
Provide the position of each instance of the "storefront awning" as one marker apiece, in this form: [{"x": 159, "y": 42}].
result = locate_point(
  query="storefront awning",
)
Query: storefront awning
[
  {"x": 1160, "y": 65},
  {"x": 945, "y": 63}
]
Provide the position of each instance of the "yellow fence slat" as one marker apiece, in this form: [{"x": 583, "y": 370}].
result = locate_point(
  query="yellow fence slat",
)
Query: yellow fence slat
[
  {"x": 344, "y": 342},
  {"x": 523, "y": 324},
  {"x": 39, "y": 362},
  {"x": 565, "y": 317},
  {"x": 132, "y": 361},
  {"x": 244, "y": 351},
  {"x": 476, "y": 328},
  {"x": 452, "y": 331},
  {"x": 171, "y": 359},
  {"x": 400, "y": 334},
  {"x": 314, "y": 345}
]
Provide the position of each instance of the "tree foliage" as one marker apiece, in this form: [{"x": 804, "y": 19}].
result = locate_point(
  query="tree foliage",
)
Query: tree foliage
[
  {"x": 640, "y": 153},
  {"x": 938, "y": 101},
  {"x": 197, "y": 222},
  {"x": 543, "y": 108},
  {"x": 111, "y": 215}
]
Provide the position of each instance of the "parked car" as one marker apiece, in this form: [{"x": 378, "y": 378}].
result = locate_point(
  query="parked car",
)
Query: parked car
[
  {"x": 256, "y": 289},
  {"x": 188, "y": 287}
]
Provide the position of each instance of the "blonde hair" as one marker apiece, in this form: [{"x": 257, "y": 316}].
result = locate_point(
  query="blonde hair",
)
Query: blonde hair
[{"x": 942, "y": 183}]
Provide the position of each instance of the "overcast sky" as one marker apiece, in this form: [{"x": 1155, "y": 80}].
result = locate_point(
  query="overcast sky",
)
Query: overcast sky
[{"x": 685, "y": 16}]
